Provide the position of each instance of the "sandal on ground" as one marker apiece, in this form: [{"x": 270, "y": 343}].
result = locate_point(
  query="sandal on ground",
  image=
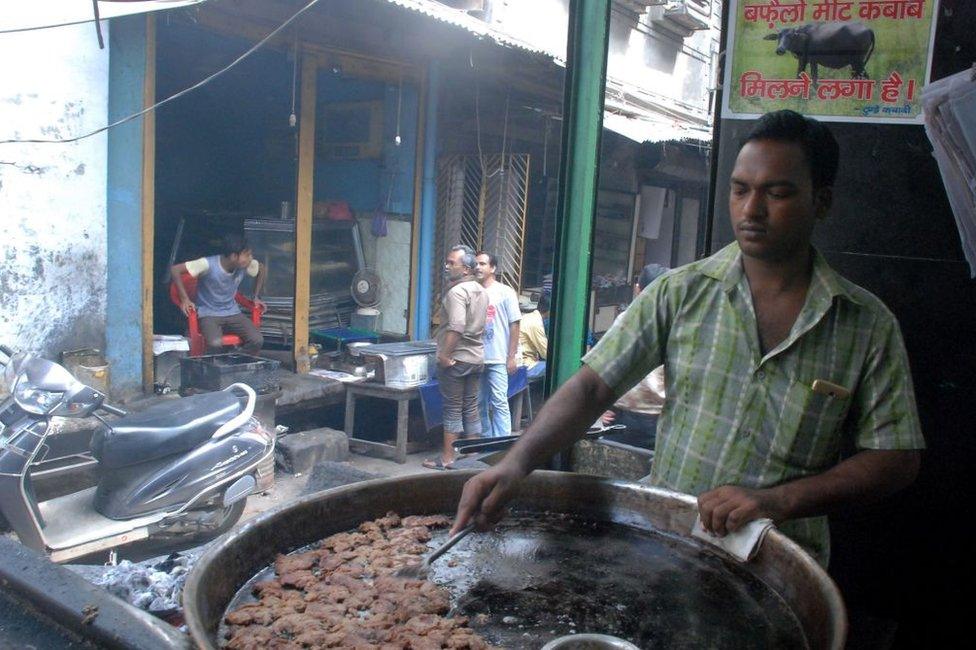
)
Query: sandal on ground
[{"x": 437, "y": 463}]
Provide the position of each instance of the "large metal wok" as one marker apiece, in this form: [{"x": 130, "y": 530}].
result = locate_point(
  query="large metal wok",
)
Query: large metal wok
[{"x": 781, "y": 568}]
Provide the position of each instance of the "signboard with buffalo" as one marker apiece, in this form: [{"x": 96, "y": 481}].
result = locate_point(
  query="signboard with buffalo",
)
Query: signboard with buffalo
[{"x": 838, "y": 60}]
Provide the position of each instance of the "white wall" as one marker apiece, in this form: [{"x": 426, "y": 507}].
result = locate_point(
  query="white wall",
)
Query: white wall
[
  {"x": 676, "y": 71},
  {"x": 393, "y": 265},
  {"x": 53, "y": 83},
  {"x": 389, "y": 257}
]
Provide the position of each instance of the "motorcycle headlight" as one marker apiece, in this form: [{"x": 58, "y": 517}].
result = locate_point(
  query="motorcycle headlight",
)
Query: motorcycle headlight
[{"x": 33, "y": 399}]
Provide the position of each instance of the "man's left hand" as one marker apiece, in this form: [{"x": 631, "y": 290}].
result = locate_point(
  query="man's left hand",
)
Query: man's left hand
[
  {"x": 259, "y": 305},
  {"x": 510, "y": 365},
  {"x": 728, "y": 508},
  {"x": 444, "y": 362}
]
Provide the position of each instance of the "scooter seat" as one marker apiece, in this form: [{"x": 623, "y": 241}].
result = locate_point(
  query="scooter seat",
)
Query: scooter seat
[{"x": 164, "y": 429}]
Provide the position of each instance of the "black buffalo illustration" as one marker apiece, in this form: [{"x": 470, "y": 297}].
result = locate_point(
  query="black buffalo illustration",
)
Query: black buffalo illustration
[{"x": 834, "y": 45}]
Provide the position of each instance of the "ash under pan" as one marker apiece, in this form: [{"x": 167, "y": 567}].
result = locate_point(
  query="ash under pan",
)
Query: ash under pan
[{"x": 541, "y": 576}]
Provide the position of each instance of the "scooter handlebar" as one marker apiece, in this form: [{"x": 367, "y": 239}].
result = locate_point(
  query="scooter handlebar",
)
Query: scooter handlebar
[{"x": 108, "y": 408}]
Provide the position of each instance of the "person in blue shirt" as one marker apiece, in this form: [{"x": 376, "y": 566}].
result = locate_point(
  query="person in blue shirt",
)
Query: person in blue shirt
[{"x": 218, "y": 278}]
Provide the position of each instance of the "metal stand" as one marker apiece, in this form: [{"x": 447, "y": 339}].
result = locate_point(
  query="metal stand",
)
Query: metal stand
[{"x": 403, "y": 397}]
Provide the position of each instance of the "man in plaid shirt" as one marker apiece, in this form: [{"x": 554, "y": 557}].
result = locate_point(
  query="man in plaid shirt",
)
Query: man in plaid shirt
[{"x": 776, "y": 365}]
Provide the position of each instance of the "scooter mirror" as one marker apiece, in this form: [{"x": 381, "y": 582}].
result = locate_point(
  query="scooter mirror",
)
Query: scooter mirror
[
  {"x": 49, "y": 376},
  {"x": 80, "y": 401}
]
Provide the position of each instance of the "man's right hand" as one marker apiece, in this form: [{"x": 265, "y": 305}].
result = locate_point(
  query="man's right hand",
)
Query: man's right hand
[
  {"x": 485, "y": 495},
  {"x": 186, "y": 306},
  {"x": 562, "y": 420}
]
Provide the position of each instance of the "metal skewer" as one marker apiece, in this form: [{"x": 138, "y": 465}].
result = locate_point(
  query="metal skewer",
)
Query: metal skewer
[{"x": 418, "y": 571}]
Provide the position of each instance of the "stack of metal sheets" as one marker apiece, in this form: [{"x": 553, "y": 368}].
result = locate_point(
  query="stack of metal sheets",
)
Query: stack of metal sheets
[
  {"x": 336, "y": 256},
  {"x": 325, "y": 310}
]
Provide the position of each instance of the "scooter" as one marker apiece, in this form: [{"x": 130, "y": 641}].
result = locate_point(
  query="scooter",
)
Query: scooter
[{"x": 177, "y": 472}]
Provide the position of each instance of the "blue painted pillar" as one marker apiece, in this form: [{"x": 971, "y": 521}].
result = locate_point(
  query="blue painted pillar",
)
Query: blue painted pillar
[
  {"x": 123, "y": 336},
  {"x": 426, "y": 264}
]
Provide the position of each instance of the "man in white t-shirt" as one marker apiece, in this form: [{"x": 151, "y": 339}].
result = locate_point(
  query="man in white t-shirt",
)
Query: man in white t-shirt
[{"x": 501, "y": 347}]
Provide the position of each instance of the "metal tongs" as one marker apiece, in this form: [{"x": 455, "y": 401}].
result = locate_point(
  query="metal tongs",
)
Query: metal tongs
[
  {"x": 481, "y": 445},
  {"x": 419, "y": 571}
]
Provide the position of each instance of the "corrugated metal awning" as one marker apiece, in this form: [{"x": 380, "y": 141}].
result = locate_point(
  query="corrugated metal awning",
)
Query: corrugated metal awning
[
  {"x": 649, "y": 129},
  {"x": 635, "y": 122},
  {"x": 23, "y": 15},
  {"x": 469, "y": 23}
]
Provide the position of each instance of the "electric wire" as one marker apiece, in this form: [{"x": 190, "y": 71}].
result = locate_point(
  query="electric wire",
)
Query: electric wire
[
  {"x": 98, "y": 26},
  {"x": 292, "y": 119},
  {"x": 504, "y": 159},
  {"x": 175, "y": 96},
  {"x": 397, "y": 170},
  {"x": 399, "y": 105},
  {"x": 477, "y": 124}
]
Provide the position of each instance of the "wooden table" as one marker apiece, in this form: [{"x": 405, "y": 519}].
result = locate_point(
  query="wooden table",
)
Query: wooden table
[{"x": 402, "y": 396}]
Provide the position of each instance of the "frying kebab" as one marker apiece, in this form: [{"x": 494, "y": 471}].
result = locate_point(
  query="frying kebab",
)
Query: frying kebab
[{"x": 345, "y": 593}]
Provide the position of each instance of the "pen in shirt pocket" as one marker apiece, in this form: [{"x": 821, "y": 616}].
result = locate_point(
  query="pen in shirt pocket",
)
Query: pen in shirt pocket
[{"x": 830, "y": 389}]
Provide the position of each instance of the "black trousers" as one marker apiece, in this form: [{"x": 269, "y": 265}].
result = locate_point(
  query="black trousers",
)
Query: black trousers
[{"x": 214, "y": 327}]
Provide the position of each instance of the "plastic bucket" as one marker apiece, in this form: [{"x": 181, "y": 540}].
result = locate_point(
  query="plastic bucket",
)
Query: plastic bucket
[{"x": 89, "y": 366}]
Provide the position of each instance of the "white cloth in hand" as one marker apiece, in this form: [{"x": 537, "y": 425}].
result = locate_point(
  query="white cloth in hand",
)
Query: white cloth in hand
[{"x": 743, "y": 544}]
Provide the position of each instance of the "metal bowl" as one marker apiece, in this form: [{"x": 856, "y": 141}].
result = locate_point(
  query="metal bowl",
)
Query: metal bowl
[
  {"x": 231, "y": 561},
  {"x": 356, "y": 347},
  {"x": 589, "y": 642}
]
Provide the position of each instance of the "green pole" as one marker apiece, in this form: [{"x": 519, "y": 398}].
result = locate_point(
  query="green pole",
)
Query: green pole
[{"x": 586, "y": 67}]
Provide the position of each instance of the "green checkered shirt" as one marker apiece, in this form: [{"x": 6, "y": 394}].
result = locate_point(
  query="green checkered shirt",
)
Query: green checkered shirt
[{"x": 734, "y": 416}]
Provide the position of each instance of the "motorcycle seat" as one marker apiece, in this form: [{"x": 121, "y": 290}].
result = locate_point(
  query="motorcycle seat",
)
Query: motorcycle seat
[{"x": 164, "y": 429}]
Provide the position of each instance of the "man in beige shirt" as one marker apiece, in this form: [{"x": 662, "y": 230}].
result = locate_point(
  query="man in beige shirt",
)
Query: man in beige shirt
[{"x": 460, "y": 352}]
